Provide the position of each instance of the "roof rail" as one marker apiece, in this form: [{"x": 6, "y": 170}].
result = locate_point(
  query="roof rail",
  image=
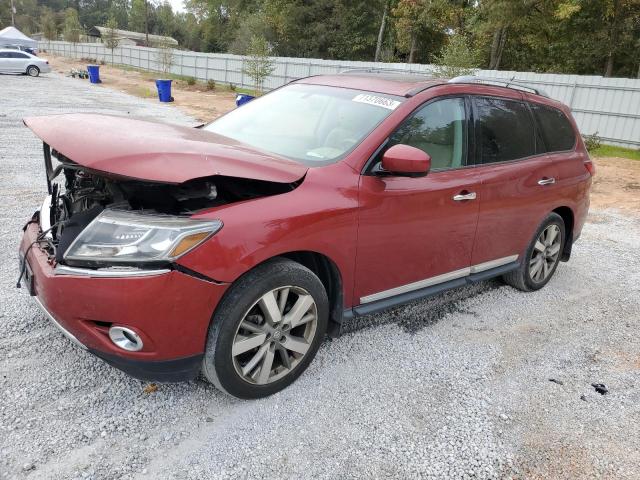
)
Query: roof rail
[
  {"x": 383, "y": 70},
  {"x": 499, "y": 82}
]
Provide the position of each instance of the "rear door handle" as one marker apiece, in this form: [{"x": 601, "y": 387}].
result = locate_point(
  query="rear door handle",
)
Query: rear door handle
[
  {"x": 464, "y": 196},
  {"x": 546, "y": 181}
]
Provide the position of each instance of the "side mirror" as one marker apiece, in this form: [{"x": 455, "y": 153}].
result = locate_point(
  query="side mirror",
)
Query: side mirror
[{"x": 406, "y": 161}]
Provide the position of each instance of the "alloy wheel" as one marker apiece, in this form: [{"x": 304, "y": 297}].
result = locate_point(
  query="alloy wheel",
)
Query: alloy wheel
[
  {"x": 275, "y": 335},
  {"x": 546, "y": 253}
]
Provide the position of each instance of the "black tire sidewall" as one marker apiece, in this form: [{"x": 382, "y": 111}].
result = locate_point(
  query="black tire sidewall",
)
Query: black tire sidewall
[
  {"x": 33, "y": 67},
  {"x": 218, "y": 363},
  {"x": 552, "y": 219}
]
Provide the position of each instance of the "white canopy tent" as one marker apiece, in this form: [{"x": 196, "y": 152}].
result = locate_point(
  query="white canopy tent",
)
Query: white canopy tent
[{"x": 13, "y": 36}]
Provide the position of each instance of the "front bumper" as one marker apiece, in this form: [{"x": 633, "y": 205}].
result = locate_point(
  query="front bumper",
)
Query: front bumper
[{"x": 170, "y": 311}]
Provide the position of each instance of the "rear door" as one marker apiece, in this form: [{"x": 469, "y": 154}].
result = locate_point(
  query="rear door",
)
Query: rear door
[
  {"x": 516, "y": 177},
  {"x": 417, "y": 232}
]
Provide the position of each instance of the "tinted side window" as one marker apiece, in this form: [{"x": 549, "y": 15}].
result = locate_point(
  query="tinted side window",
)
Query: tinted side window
[
  {"x": 505, "y": 130},
  {"x": 439, "y": 129},
  {"x": 4, "y": 54},
  {"x": 19, "y": 55},
  {"x": 557, "y": 132}
]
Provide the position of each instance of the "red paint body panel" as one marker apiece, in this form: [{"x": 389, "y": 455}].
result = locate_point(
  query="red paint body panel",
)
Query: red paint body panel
[
  {"x": 512, "y": 205},
  {"x": 157, "y": 151},
  {"x": 406, "y": 159},
  {"x": 171, "y": 311}
]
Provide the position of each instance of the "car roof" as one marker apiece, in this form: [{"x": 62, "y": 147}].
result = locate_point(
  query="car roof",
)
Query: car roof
[
  {"x": 408, "y": 84},
  {"x": 390, "y": 83}
]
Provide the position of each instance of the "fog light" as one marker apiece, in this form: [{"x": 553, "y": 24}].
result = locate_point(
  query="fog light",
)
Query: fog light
[{"x": 125, "y": 338}]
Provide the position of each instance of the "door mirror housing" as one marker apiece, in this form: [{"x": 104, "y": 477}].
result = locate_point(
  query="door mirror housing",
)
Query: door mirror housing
[{"x": 405, "y": 160}]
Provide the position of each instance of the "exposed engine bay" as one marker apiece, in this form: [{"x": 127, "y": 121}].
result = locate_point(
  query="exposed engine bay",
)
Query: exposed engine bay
[{"x": 77, "y": 195}]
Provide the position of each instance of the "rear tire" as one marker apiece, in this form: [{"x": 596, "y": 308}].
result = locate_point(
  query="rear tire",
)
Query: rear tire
[
  {"x": 266, "y": 330},
  {"x": 33, "y": 71},
  {"x": 541, "y": 257}
]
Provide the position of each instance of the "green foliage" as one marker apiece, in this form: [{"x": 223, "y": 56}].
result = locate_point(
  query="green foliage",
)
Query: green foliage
[
  {"x": 258, "y": 66},
  {"x": 137, "y": 16},
  {"x": 211, "y": 84},
  {"x": 191, "y": 81},
  {"x": 456, "y": 58},
  {"x": 49, "y": 24},
  {"x": 592, "y": 142},
  {"x": 72, "y": 27},
  {"x": 110, "y": 38}
]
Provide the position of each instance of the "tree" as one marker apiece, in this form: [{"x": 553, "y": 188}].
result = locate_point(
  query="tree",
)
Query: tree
[
  {"x": 383, "y": 25},
  {"x": 137, "y": 16},
  {"x": 165, "y": 21},
  {"x": 49, "y": 25},
  {"x": 258, "y": 65},
  {"x": 110, "y": 38},
  {"x": 72, "y": 27},
  {"x": 416, "y": 22},
  {"x": 456, "y": 58},
  {"x": 164, "y": 56}
]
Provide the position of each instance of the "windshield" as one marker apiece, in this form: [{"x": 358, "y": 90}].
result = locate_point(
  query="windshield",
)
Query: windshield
[{"x": 313, "y": 124}]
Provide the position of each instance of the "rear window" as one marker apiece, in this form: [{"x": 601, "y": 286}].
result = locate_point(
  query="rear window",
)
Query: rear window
[
  {"x": 557, "y": 132},
  {"x": 505, "y": 130}
]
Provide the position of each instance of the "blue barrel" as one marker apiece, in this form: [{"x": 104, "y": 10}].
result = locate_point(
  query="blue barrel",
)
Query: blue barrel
[
  {"x": 94, "y": 73},
  {"x": 164, "y": 90},
  {"x": 242, "y": 98}
]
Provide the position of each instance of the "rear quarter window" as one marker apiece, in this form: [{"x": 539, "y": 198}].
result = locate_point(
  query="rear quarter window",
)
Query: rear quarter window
[
  {"x": 557, "y": 132},
  {"x": 505, "y": 130}
]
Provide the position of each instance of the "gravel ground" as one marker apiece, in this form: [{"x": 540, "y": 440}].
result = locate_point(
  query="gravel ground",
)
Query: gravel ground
[{"x": 455, "y": 387}]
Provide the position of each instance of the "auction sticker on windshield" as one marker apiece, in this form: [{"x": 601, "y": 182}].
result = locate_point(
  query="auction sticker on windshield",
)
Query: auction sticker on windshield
[{"x": 376, "y": 100}]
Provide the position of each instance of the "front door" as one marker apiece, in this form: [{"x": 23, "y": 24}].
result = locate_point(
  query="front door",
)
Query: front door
[{"x": 417, "y": 232}]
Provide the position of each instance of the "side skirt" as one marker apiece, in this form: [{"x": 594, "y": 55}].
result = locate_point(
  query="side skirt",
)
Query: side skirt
[{"x": 408, "y": 297}]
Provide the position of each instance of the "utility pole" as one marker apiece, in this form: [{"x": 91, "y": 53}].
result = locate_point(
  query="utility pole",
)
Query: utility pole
[{"x": 13, "y": 13}]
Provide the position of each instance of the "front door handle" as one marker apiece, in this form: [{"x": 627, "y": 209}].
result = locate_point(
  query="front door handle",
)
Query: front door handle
[
  {"x": 464, "y": 196},
  {"x": 546, "y": 181}
]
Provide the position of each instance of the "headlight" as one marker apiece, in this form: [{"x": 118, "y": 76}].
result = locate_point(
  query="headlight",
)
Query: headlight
[{"x": 117, "y": 236}]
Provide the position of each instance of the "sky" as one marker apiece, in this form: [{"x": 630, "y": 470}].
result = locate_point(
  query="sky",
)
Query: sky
[{"x": 177, "y": 5}]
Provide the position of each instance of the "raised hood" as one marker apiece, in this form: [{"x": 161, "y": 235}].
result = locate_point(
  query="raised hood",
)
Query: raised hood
[{"x": 156, "y": 151}]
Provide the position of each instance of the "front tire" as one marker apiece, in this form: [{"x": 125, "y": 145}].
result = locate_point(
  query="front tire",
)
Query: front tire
[
  {"x": 33, "y": 71},
  {"x": 541, "y": 257},
  {"x": 266, "y": 330}
]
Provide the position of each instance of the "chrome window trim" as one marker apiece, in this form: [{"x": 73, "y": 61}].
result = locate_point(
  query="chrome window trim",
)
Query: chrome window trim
[
  {"x": 428, "y": 282},
  {"x": 112, "y": 272}
]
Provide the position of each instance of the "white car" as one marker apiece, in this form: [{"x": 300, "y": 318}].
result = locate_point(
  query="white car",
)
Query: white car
[{"x": 16, "y": 61}]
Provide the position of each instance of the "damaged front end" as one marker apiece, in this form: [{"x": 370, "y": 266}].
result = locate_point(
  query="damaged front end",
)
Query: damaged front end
[{"x": 99, "y": 220}]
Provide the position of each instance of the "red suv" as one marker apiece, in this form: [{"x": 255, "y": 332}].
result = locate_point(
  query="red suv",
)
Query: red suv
[{"x": 232, "y": 248}]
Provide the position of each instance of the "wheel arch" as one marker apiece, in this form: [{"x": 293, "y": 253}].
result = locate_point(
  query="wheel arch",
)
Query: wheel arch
[
  {"x": 568, "y": 217},
  {"x": 329, "y": 274}
]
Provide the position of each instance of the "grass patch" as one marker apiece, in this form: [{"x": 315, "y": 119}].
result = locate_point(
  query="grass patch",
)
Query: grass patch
[
  {"x": 145, "y": 92},
  {"x": 611, "y": 151}
]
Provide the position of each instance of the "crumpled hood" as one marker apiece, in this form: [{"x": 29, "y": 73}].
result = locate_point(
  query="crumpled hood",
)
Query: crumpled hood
[{"x": 156, "y": 151}]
